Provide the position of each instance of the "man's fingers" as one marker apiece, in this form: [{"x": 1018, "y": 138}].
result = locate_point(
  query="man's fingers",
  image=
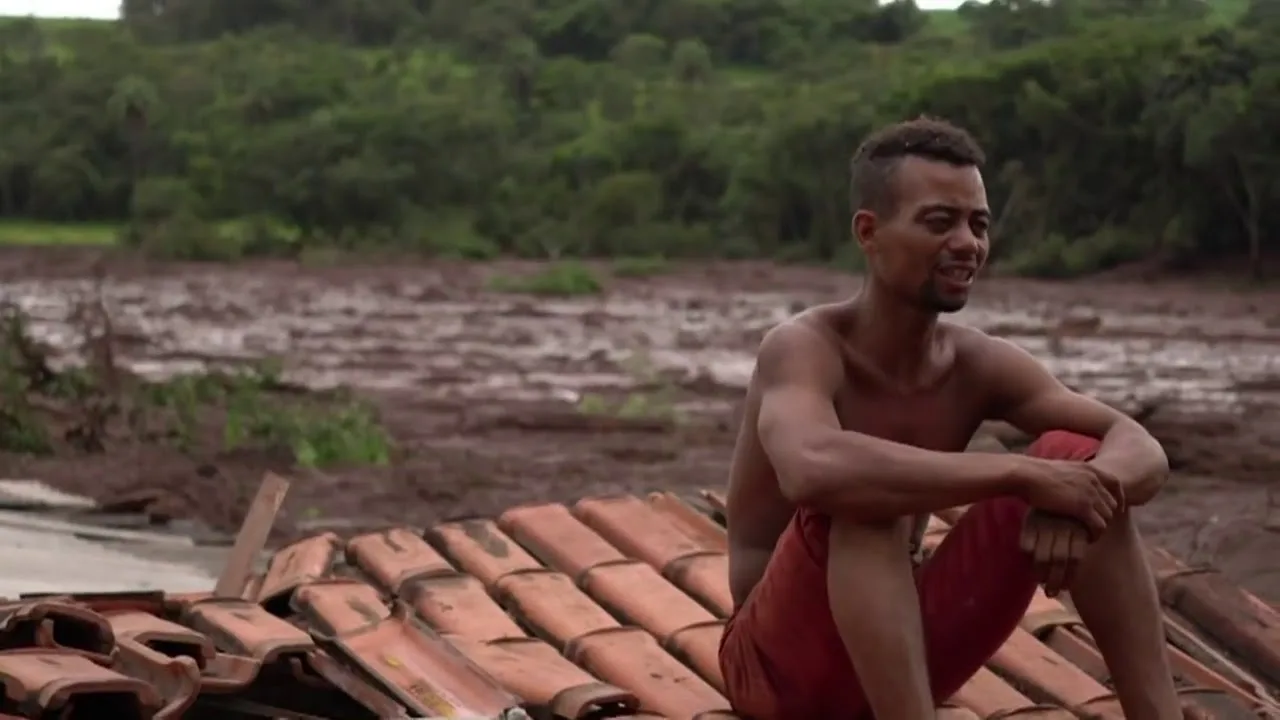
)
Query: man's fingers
[
  {"x": 1095, "y": 522},
  {"x": 1027, "y": 541},
  {"x": 1059, "y": 552},
  {"x": 1111, "y": 484},
  {"x": 1104, "y": 505},
  {"x": 1105, "y": 496},
  {"x": 1078, "y": 545}
]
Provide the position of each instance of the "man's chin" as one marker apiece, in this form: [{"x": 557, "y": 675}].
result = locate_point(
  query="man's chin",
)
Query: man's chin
[{"x": 947, "y": 305}]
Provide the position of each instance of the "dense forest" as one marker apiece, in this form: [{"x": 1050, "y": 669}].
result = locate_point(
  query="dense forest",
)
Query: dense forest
[{"x": 1117, "y": 130}]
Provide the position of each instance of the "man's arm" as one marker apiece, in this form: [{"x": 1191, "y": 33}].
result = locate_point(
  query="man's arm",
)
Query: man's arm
[
  {"x": 840, "y": 472},
  {"x": 1030, "y": 398}
]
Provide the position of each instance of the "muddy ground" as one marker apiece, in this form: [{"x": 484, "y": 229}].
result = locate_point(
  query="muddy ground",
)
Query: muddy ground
[{"x": 497, "y": 399}]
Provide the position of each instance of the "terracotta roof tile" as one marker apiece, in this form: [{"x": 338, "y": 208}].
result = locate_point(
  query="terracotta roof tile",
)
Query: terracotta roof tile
[
  {"x": 42, "y": 682},
  {"x": 302, "y": 562},
  {"x": 612, "y": 608}
]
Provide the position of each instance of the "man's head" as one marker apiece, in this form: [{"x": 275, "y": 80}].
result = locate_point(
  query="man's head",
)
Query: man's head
[{"x": 920, "y": 211}]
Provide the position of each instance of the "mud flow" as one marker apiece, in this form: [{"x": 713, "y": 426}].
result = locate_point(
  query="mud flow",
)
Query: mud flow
[{"x": 496, "y": 399}]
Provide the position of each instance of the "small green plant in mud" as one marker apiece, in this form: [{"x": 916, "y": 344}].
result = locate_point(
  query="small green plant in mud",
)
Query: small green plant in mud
[
  {"x": 640, "y": 267},
  {"x": 89, "y": 408},
  {"x": 560, "y": 279},
  {"x": 656, "y": 405},
  {"x": 256, "y": 414},
  {"x": 656, "y": 402},
  {"x": 20, "y": 429}
]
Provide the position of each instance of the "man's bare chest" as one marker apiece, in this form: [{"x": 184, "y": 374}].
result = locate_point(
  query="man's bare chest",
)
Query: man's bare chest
[{"x": 943, "y": 419}]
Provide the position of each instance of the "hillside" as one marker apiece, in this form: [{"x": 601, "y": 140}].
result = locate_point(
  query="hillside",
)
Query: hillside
[{"x": 1117, "y": 130}]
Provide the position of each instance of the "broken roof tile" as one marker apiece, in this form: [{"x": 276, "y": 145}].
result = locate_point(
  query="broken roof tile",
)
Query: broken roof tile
[
  {"x": 245, "y": 628},
  {"x": 610, "y": 610},
  {"x": 53, "y": 623},
  {"x": 296, "y": 564},
  {"x": 175, "y": 679},
  {"x": 41, "y": 683}
]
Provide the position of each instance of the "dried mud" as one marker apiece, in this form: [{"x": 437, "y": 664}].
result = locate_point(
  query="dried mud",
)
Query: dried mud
[{"x": 479, "y": 388}]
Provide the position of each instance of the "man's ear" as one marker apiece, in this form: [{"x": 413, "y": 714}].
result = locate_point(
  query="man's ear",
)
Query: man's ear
[{"x": 864, "y": 230}]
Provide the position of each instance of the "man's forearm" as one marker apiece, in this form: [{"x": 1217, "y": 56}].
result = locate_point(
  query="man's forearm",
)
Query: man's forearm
[
  {"x": 1130, "y": 453},
  {"x": 849, "y": 473}
]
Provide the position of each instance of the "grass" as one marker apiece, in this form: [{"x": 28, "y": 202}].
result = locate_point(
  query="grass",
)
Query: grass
[{"x": 34, "y": 233}]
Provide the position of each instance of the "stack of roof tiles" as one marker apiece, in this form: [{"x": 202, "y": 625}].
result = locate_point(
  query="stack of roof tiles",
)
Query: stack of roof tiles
[{"x": 611, "y": 608}]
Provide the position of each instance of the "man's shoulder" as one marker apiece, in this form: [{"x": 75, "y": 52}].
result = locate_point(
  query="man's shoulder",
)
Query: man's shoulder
[
  {"x": 990, "y": 356},
  {"x": 972, "y": 342},
  {"x": 805, "y": 345},
  {"x": 814, "y": 329}
]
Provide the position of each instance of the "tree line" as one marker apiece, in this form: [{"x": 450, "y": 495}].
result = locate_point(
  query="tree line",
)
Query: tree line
[{"x": 1117, "y": 130}]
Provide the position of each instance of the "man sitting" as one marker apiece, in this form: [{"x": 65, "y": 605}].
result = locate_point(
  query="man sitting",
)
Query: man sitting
[{"x": 856, "y": 421}]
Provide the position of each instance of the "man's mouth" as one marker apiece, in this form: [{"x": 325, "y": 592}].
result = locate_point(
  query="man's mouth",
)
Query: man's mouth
[{"x": 958, "y": 274}]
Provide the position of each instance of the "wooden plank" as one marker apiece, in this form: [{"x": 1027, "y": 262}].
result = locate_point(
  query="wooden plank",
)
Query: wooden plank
[{"x": 252, "y": 537}]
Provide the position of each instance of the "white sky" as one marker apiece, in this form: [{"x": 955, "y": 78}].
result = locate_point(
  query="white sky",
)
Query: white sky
[
  {"x": 61, "y": 8},
  {"x": 111, "y": 8}
]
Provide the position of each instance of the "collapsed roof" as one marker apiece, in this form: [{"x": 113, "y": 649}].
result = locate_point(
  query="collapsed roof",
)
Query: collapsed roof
[{"x": 609, "y": 608}]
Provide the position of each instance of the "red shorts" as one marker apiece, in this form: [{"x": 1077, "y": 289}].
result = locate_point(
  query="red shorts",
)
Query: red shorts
[{"x": 781, "y": 654}]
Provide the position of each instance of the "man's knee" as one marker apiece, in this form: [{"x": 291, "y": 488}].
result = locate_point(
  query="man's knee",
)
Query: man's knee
[
  {"x": 1064, "y": 445},
  {"x": 848, "y": 535}
]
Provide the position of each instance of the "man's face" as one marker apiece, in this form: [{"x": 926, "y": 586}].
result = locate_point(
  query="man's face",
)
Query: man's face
[{"x": 934, "y": 242}]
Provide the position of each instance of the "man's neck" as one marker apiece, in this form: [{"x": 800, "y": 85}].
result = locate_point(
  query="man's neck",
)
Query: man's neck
[{"x": 896, "y": 337}]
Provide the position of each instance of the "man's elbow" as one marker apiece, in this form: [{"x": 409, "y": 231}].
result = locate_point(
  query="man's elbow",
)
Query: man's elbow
[
  {"x": 1154, "y": 480},
  {"x": 810, "y": 477},
  {"x": 800, "y": 481},
  {"x": 803, "y": 470}
]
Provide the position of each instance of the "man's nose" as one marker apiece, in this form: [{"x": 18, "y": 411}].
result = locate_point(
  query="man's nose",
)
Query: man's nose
[{"x": 965, "y": 242}]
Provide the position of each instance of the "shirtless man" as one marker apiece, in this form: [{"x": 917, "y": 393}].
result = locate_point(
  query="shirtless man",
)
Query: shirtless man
[{"x": 856, "y": 422}]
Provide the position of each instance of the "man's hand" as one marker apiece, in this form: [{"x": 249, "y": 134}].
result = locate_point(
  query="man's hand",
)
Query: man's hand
[
  {"x": 1056, "y": 545},
  {"x": 1077, "y": 490}
]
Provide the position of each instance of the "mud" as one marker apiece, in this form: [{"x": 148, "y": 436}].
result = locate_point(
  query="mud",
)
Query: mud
[{"x": 497, "y": 399}]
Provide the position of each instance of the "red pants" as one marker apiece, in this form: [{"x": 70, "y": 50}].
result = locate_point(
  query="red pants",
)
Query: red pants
[{"x": 781, "y": 654}]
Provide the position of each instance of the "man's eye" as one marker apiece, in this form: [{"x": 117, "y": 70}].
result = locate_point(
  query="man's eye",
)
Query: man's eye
[{"x": 938, "y": 224}]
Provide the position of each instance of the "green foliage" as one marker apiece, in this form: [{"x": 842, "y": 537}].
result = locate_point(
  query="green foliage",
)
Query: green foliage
[
  {"x": 345, "y": 431},
  {"x": 216, "y": 129},
  {"x": 563, "y": 279},
  {"x": 250, "y": 408},
  {"x": 640, "y": 267}
]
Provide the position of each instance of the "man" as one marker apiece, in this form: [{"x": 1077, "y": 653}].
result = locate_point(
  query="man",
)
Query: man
[{"x": 855, "y": 426}]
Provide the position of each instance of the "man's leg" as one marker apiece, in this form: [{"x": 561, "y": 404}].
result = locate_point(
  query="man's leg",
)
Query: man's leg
[
  {"x": 1116, "y": 596},
  {"x": 914, "y": 642},
  {"x": 967, "y": 600},
  {"x": 877, "y": 613},
  {"x": 973, "y": 591}
]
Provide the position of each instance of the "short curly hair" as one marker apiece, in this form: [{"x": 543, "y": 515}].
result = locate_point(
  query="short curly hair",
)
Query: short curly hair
[{"x": 872, "y": 167}]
